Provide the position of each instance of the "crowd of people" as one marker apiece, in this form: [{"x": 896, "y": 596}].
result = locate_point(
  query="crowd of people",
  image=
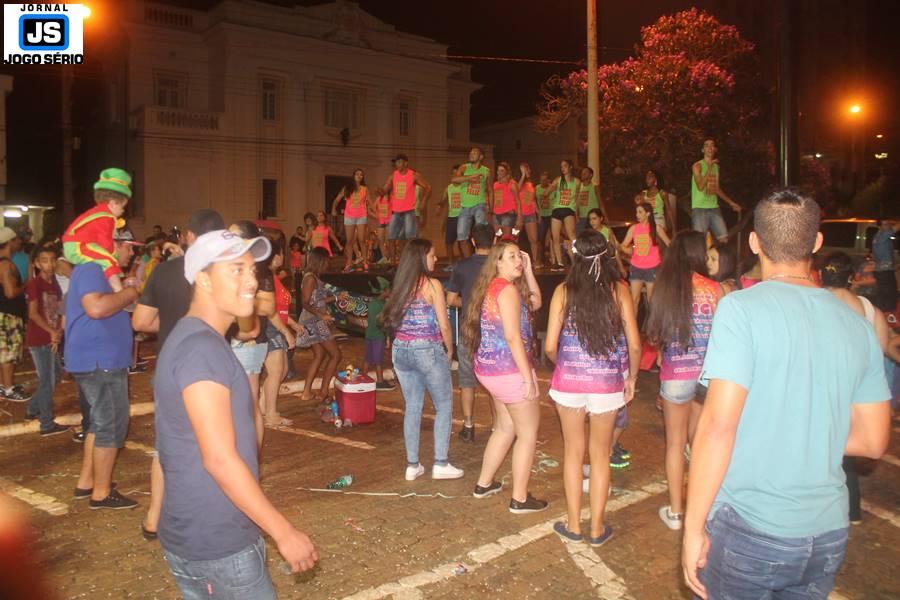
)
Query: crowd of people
[{"x": 769, "y": 384}]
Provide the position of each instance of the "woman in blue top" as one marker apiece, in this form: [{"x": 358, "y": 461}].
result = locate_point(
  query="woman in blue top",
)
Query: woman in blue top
[{"x": 415, "y": 314}]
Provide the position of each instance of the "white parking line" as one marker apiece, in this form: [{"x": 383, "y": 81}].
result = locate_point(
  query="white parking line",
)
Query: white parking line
[
  {"x": 606, "y": 583},
  {"x": 40, "y": 501},
  {"x": 883, "y": 513},
  {"x": 400, "y": 411},
  {"x": 325, "y": 438},
  {"x": 482, "y": 555},
  {"x": 140, "y": 448},
  {"x": 136, "y": 410}
]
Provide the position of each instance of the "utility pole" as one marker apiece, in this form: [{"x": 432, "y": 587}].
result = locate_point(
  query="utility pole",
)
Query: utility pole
[
  {"x": 68, "y": 203},
  {"x": 787, "y": 100},
  {"x": 592, "y": 93}
]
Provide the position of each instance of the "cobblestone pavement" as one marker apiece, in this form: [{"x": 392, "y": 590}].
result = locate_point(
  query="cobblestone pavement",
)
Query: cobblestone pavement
[{"x": 404, "y": 541}]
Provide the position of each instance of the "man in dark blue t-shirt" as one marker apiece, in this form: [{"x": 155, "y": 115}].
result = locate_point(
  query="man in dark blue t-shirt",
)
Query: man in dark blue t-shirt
[
  {"x": 98, "y": 353},
  {"x": 459, "y": 289},
  {"x": 206, "y": 436}
]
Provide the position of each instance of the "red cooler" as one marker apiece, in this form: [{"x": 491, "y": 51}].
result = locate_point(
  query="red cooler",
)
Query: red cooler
[{"x": 356, "y": 399}]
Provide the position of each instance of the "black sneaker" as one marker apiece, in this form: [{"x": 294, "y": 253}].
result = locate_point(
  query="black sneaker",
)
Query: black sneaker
[
  {"x": 84, "y": 493},
  {"x": 115, "y": 501},
  {"x": 618, "y": 448},
  {"x": 135, "y": 369},
  {"x": 16, "y": 394},
  {"x": 616, "y": 461},
  {"x": 531, "y": 505},
  {"x": 467, "y": 433},
  {"x": 78, "y": 436},
  {"x": 385, "y": 386},
  {"x": 54, "y": 430},
  {"x": 484, "y": 492},
  {"x": 31, "y": 417}
]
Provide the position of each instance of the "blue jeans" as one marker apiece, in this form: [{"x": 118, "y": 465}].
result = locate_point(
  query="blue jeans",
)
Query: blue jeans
[
  {"x": 403, "y": 225},
  {"x": 423, "y": 365},
  {"x": 711, "y": 219},
  {"x": 468, "y": 217},
  {"x": 241, "y": 576},
  {"x": 744, "y": 563},
  {"x": 41, "y": 403}
]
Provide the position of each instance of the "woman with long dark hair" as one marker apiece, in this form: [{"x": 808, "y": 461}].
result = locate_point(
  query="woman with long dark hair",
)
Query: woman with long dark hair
[
  {"x": 593, "y": 337},
  {"x": 721, "y": 262},
  {"x": 498, "y": 324},
  {"x": 317, "y": 321},
  {"x": 656, "y": 197},
  {"x": 565, "y": 190},
  {"x": 642, "y": 243},
  {"x": 681, "y": 314},
  {"x": 529, "y": 212},
  {"x": 356, "y": 219},
  {"x": 415, "y": 315},
  {"x": 837, "y": 275}
]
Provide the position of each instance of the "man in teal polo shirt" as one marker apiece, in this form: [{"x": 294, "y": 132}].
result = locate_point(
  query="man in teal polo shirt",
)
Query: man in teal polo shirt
[{"x": 796, "y": 381}]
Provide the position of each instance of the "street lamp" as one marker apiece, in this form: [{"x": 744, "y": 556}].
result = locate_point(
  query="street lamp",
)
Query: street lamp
[{"x": 855, "y": 109}]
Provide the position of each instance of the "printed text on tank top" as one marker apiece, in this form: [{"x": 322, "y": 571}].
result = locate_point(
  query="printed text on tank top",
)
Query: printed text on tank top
[
  {"x": 678, "y": 362},
  {"x": 707, "y": 197},
  {"x": 494, "y": 356},
  {"x": 646, "y": 253},
  {"x": 542, "y": 193},
  {"x": 454, "y": 199},
  {"x": 383, "y": 205},
  {"x": 526, "y": 197},
  {"x": 579, "y": 372},
  {"x": 403, "y": 197},
  {"x": 320, "y": 238},
  {"x": 587, "y": 199},
  {"x": 419, "y": 321},
  {"x": 504, "y": 197},
  {"x": 356, "y": 203},
  {"x": 658, "y": 206},
  {"x": 565, "y": 193},
  {"x": 475, "y": 192}
]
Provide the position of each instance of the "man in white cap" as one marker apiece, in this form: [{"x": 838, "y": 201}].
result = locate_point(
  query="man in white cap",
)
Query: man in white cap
[{"x": 206, "y": 436}]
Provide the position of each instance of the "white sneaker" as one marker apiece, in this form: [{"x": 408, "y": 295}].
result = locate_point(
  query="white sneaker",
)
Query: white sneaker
[
  {"x": 672, "y": 520},
  {"x": 586, "y": 470},
  {"x": 586, "y": 485},
  {"x": 413, "y": 473},
  {"x": 447, "y": 471}
]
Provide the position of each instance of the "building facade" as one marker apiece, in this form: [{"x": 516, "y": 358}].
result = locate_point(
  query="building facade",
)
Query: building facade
[{"x": 259, "y": 110}]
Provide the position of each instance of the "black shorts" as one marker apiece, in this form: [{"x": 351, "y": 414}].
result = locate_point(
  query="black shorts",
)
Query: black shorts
[
  {"x": 450, "y": 233},
  {"x": 560, "y": 214}
]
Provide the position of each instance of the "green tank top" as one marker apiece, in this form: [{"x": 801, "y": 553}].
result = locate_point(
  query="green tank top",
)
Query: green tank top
[
  {"x": 543, "y": 196},
  {"x": 604, "y": 231},
  {"x": 587, "y": 199},
  {"x": 659, "y": 207},
  {"x": 475, "y": 193},
  {"x": 564, "y": 195},
  {"x": 454, "y": 199},
  {"x": 704, "y": 199}
]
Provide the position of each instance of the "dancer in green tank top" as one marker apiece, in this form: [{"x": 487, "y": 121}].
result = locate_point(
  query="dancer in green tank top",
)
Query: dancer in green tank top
[
  {"x": 477, "y": 181},
  {"x": 565, "y": 190},
  {"x": 587, "y": 199},
  {"x": 705, "y": 193},
  {"x": 659, "y": 199},
  {"x": 452, "y": 200}
]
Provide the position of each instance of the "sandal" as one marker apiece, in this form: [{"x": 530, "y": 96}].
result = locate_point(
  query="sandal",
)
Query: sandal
[{"x": 280, "y": 422}]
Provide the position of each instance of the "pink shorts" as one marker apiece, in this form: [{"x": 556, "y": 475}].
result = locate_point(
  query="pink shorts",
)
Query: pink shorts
[{"x": 508, "y": 389}]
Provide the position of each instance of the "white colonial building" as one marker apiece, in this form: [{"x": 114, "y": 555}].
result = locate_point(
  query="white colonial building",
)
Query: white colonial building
[{"x": 261, "y": 110}]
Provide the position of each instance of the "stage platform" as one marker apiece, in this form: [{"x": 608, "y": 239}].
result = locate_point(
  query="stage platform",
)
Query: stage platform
[{"x": 357, "y": 282}]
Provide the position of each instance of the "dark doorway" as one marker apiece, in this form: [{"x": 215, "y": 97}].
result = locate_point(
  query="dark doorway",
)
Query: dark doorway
[{"x": 333, "y": 186}]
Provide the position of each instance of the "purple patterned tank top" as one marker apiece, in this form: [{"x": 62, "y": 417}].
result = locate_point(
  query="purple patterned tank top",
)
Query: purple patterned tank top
[
  {"x": 578, "y": 372},
  {"x": 419, "y": 322},
  {"x": 680, "y": 363},
  {"x": 494, "y": 356}
]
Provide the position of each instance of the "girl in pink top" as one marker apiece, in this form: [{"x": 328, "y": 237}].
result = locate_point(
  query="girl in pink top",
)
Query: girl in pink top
[
  {"x": 380, "y": 211},
  {"x": 529, "y": 216},
  {"x": 642, "y": 244},
  {"x": 681, "y": 315},
  {"x": 593, "y": 337},
  {"x": 356, "y": 219},
  {"x": 497, "y": 324},
  {"x": 322, "y": 235},
  {"x": 505, "y": 211}
]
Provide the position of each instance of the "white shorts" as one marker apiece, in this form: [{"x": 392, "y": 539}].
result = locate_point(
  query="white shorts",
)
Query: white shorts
[{"x": 595, "y": 404}]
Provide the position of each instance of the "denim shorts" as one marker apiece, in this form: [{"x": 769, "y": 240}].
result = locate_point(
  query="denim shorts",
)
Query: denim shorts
[
  {"x": 507, "y": 219},
  {"x": 277, "y": 341},
  {"x": 637, "y": 274},
  {"x": 468, "y": 217},
  {"x": 403, "y": 225},
  {"x": 106, "y": 392},
  {"x": 363, "y": 220},
  {"x": 678, "y": 391},
  {"x": 532, "y": 218},
  {"x": 465, "y": 375},
  {"x": 703, "y": 219},
  {"x": 240, "y": 576},
  {"x": 251, "y": 355}
]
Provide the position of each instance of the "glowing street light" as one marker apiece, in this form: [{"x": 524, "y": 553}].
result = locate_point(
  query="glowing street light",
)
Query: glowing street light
[
  {"x": 855, "y": 109},
  {"x": 85, "y": 11},
  {"x": 879, "y": 136}
]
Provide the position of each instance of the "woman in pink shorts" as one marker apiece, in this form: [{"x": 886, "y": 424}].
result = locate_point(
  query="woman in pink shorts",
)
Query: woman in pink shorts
[
  {"x": 498, "y": 324},
  {"x": 593, "y": 337}
]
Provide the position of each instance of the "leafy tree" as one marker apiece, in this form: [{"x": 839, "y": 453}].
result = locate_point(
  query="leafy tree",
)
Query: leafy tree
[{"x": 691, "y": 78}]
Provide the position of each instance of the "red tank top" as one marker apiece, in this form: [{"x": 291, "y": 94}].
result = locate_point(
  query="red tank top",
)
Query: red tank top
[
  {"x": 403, "y": 191},
  {"x": 320, "y": 238},
  {"x": 504, "y": 198},
  {"x": 526, "y": 197},
  {"x": 356, "y": 203}
]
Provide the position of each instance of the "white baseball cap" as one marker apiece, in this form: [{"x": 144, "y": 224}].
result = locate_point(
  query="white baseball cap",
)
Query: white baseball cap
[{"x": 219, "y": 246}]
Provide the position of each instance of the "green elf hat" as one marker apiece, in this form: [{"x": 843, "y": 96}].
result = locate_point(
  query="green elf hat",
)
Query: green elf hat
[{"x": 114, "y": 180}]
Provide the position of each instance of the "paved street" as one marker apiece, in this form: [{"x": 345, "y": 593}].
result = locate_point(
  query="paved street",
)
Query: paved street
[{"x": 385, "y": 537}]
